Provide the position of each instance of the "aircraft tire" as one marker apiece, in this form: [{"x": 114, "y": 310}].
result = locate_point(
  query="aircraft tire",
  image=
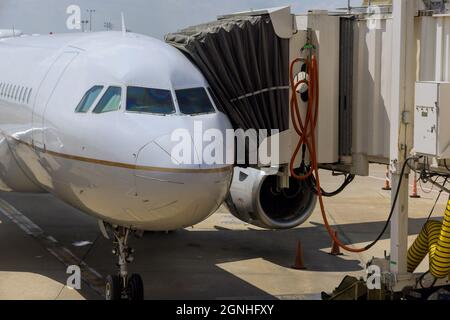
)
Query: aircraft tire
[
  {"x": 135, "y": 288},
  {"x": 113, "y": 288}
]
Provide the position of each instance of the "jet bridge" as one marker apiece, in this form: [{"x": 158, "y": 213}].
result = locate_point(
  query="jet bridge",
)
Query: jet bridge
[
  {"x": 246, "y": 58},
  {"x": 383, "y": 74}
]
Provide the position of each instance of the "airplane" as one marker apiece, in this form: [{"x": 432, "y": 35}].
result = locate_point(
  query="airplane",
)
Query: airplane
[{"x": 88, "y": 118}]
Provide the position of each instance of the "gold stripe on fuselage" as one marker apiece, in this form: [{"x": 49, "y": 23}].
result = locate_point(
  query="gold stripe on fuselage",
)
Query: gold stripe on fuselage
[{"x": 122, "y": 165}]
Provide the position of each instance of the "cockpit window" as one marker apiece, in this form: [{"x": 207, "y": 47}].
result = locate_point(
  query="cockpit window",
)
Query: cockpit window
[
  {"x": 146, "y": 100},
  {"x": 88, "y": 99},
  {"x": 194, "y": 101},
  {"x": 110, "y": 101}
]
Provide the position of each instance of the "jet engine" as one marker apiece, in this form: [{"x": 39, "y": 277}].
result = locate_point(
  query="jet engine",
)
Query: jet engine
[{"x": 256, "y": 198}]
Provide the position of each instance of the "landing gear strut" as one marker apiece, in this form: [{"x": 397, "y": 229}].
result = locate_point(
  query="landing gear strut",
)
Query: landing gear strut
[{"x": 122, "y": 286}]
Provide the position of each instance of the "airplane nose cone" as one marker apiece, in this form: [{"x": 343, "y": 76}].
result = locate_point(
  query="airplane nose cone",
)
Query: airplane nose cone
[{"x": 177, "y": 195}]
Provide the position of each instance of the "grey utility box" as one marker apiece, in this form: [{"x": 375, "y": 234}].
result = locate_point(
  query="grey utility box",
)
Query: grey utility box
[{"x": 432, "y": 119}]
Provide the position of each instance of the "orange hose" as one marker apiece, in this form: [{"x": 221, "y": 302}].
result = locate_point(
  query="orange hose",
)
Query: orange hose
[{"x": 307, "y": 132}]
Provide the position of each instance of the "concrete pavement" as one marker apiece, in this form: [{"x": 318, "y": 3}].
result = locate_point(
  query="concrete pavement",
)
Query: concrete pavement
[{"x": 219, "y": 258}]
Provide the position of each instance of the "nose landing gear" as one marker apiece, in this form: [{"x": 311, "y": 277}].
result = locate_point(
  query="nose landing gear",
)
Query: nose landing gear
[{"x": 122, "y": 286}]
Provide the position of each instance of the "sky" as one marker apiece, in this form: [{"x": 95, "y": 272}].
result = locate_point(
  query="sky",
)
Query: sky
[{"x": 152, "y": 17}]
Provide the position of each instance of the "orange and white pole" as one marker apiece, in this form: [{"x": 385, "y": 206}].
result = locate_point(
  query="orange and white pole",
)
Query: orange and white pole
[
  {"x": 415, "y": 193},
  {"x": 387, "y": 182}
]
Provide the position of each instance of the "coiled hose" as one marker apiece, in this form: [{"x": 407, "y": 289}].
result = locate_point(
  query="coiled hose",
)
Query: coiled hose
[
  {"x": 435, "y": 241},
  {"x": 307, "y": 132}
]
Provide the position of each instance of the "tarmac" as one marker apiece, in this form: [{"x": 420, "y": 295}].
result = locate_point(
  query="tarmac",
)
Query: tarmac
[{"x": 221, "y": 258}]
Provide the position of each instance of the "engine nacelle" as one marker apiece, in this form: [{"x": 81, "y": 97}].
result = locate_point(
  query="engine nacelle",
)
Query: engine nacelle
[{"x": 255, "y": 198}]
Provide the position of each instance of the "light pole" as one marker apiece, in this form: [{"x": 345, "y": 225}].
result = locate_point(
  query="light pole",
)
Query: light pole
[
  {"x": 91, "y": 12},
  {"x": 83, "y": 25},
  {"x": 108, "y": 26}
]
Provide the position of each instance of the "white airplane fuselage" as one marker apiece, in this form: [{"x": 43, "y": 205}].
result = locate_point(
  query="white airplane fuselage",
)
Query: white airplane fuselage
[{"x": 115, "y": 166}]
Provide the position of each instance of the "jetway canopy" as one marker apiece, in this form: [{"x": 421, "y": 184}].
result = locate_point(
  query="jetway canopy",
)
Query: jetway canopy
[{"x": 247, "y": 66}]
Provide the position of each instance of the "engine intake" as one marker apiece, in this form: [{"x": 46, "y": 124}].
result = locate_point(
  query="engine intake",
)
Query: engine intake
[{"x": 255, "y": 198}]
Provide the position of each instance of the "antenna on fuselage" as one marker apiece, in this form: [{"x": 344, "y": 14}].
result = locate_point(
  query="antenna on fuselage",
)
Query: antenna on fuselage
[{"x": 124, "y": 27}]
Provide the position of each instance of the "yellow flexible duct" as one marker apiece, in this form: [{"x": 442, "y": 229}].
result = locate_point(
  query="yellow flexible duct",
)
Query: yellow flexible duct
[{"x": 435, "y": 241}]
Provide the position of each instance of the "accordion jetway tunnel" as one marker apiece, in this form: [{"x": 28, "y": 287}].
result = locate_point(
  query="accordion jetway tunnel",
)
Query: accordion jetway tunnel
[
  {"x": 338, "y": 91},
  {"x": 245, "y": 63}
]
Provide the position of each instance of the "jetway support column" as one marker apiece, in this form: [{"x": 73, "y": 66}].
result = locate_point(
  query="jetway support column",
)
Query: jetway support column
[{"x": 403, "y": 80}]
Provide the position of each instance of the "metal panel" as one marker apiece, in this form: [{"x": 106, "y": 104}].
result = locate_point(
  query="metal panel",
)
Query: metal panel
[
  {"x": 346, "y": 87},
  {"x": 434, "y": 66},
  {"x": 326, "y": 36},
  {"x": 372, "y": 89},
  {"x": 443, "y": 118},
  {"x": 434, "y": 52},
  {"x": 373, "y": 76}
]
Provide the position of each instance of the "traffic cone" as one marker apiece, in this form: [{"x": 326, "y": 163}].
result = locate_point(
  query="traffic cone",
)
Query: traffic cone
[
  {"x": 415, "y": 194},
  {"x": 299, "y": 263},
  {"x": 335, "y": 248},
  {"x": 387, "y": 182}
]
